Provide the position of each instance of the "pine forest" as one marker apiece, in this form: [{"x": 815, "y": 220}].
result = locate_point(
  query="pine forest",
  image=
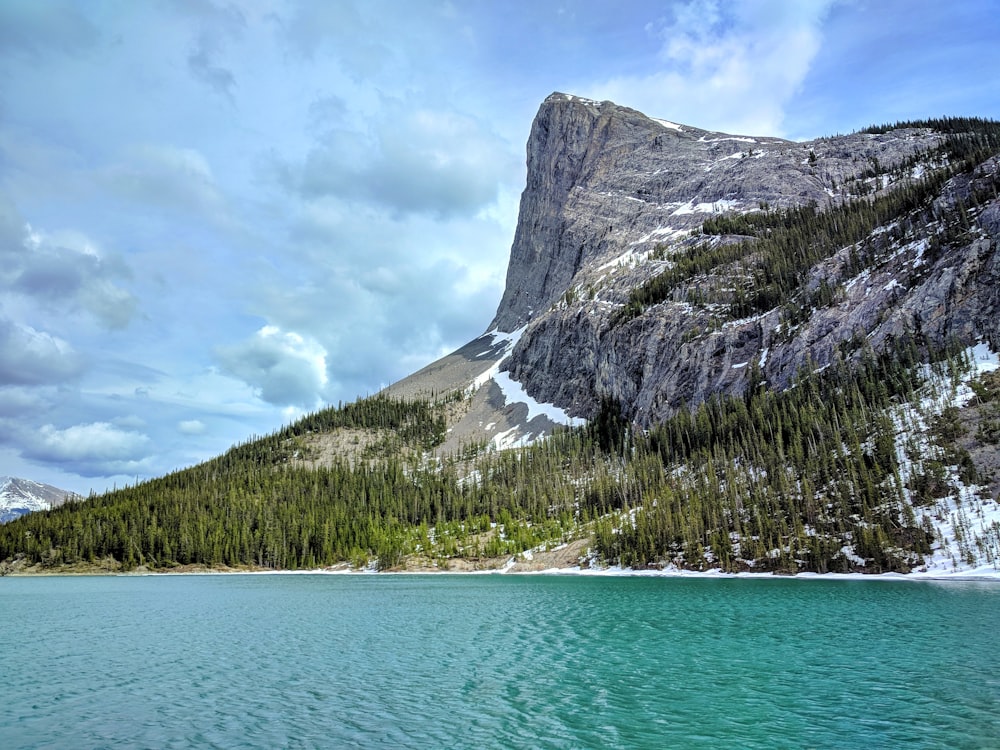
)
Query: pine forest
[{"x": 844, "y": 470}]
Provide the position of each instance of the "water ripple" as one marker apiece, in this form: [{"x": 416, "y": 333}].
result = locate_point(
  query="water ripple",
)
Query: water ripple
[{"x": 496, "y": 662}]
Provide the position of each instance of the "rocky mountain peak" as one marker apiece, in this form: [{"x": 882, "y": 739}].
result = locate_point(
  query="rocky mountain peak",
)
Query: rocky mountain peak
[
  {"x": 658, "y": 263},
  {"x": 604, "y": 180},
  {"x": 19, "y": 496},
  {"x": 573, "y": 142}
]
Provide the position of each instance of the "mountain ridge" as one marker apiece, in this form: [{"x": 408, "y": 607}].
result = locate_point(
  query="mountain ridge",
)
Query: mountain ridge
[
  {"x": 714, "y": 352},
  {"x": 19, "y": 496},
  {"x": 613, "y": 197}
]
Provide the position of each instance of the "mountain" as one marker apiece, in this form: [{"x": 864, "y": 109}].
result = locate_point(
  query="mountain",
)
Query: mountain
[
  {"x": 20, "y": 496},
  {"x": 615, "y": 198},
  {"x": 713, "y": 352}
]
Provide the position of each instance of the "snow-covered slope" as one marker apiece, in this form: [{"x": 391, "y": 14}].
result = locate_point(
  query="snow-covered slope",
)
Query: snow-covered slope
[
  {"x": 20, "y": 496},
  {"x": 965, "y": 519}
]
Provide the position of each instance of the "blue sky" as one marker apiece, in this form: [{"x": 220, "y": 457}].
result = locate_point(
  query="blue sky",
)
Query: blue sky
[{"x": 218, "y": 216}]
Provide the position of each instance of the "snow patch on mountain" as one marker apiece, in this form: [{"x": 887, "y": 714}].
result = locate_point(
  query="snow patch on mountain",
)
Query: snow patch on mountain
[
  {"x": 20, "y": 496},
  {"x": 713, "y": 207},
  {"x": 514, "y": 393},
  {"x": 966, "y": 522}
]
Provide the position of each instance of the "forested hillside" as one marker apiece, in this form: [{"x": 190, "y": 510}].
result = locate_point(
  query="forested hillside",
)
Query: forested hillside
[
  {"x": 809, "y": 479},
  {"x": 843, "y": 416}
]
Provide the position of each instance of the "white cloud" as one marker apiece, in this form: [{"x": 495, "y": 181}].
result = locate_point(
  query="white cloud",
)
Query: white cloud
[
  {"x": 92, "y": 449},
  {"x": 728, "y": 66},
  {"x": 283, "y": 367},
  {"x": 191, "y": 427},
  {"x": 414, "y": 159},
  {"x": 31, "y": 357},
  {"x": 66, "y": 269},
  {"x": 96, "y": 440}
]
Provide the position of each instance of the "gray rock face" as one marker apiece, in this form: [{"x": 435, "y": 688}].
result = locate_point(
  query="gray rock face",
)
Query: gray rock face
[
  {"x": 614, "y": 197},
  {"x": 605, "y": 181}
]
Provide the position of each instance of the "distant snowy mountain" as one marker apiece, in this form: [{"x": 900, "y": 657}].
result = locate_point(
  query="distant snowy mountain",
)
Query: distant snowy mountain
[{"x": 20, "y": 496}]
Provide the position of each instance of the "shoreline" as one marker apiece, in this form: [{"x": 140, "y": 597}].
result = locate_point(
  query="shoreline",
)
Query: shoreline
[
  {"x": 986, "y": 577},
  {"x": 978, "y": 575}
]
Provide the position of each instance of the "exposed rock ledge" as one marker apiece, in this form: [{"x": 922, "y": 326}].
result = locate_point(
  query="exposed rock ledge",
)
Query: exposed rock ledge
[{"x": 612, "y": 194}]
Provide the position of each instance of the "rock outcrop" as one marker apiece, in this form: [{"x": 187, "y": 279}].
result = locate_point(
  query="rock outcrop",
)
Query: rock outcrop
[{"x": 614, "y": 197}]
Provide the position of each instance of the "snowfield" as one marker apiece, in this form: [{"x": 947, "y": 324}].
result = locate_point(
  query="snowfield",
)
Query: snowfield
[{"x": 514, "y": 393}]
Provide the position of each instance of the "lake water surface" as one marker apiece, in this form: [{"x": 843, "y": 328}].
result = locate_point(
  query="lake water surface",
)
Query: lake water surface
[{"x": 489, "y": 661}]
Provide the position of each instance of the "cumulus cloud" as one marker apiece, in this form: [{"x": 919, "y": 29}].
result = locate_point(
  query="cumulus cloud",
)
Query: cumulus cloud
[
  {"x": 92, "y": 449},
  {"x": 726, "y": 65},
  {"x": 171, "y": 177},
  {"x": 66, "y": 270},
  {"x": 414, "y": 160},
  {"x": 283, "y": 367},
  {"x": 30, "y": 357},
  {"x": 191, "y": 427}
]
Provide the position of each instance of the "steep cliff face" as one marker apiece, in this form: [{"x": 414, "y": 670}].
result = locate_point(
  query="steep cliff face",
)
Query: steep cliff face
[
  {"x": 616, "y": 202},
  {"x": 607, "y": 183},
  {"x": 615, "y": 198}
]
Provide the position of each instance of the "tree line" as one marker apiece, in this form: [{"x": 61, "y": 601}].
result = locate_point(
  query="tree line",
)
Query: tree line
[{"x": 767, "y": 481}]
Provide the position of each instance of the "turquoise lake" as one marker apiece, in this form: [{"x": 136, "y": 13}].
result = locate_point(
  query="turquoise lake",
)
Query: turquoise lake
[{"x": 490, "y": 661}]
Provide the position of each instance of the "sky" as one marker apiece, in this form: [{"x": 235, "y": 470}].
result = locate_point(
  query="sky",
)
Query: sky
[{"x": 216, "y": 216}]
